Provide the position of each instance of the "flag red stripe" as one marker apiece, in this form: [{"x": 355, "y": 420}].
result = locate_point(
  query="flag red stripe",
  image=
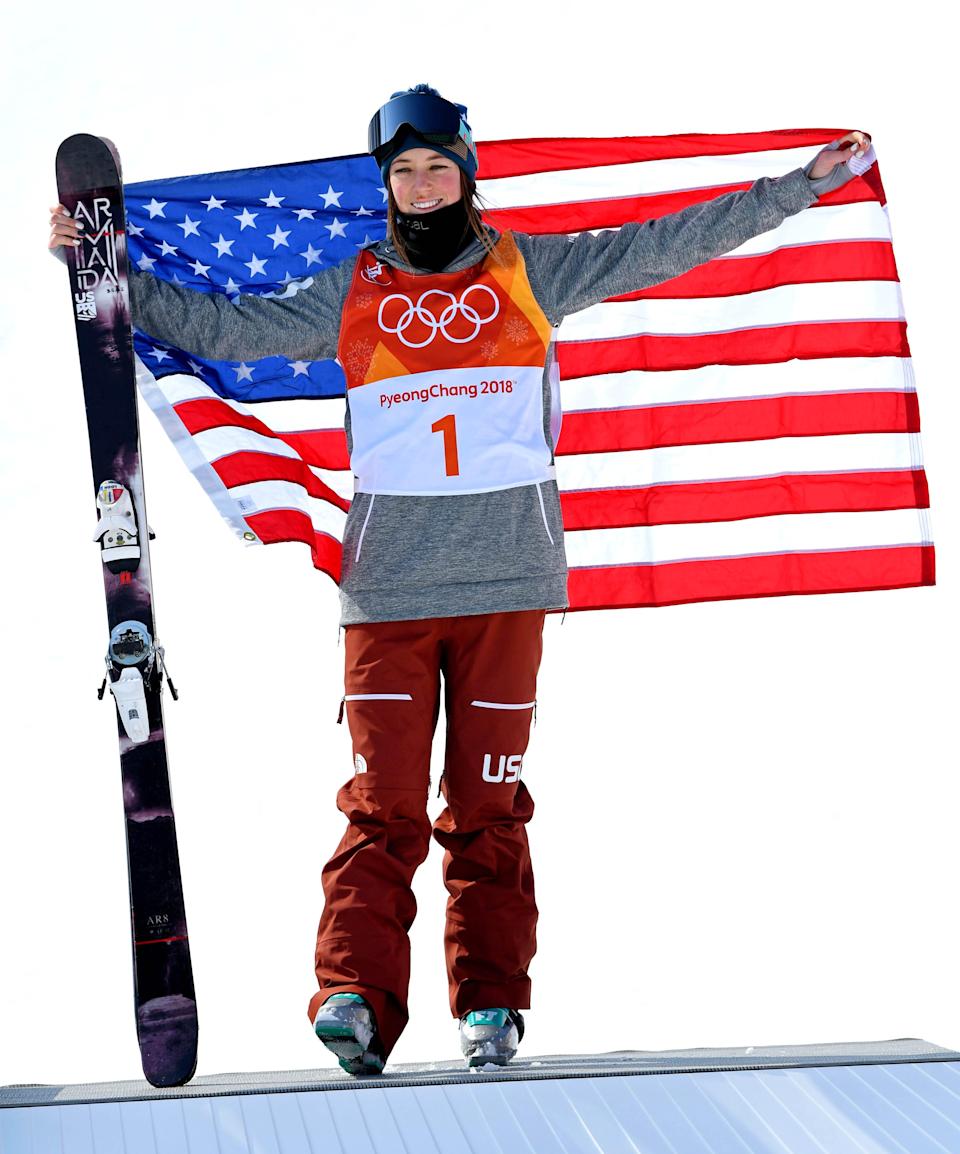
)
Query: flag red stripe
[
  {"x": 293, "y": 525},
  {"x": 663, "y": 504},
  {"x": 203, "y": 413},
  {"x": 749, "y": 419},
  {"x": 322, "y": 448},
  {"x": 595, "y": 431},
  {"x": 799, "y": 264},
  {"x": 246, "y": 468},
  {"x": 612, "y": 212},
  {"x": 498, "y": 158},
  {"x": 743, "y": 347},
  {"x": 675, "y": 583},
  {"x": 751, "y": 497}
]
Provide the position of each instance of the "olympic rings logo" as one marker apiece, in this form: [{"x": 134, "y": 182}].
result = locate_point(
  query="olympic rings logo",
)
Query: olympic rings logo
[{"x": 438, "y": 324}]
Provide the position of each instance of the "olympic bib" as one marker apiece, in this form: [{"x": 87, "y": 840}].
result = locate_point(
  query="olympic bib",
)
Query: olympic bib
[
  {"x": 454, "y": 432},
  {"x": 445, "y": 377}
]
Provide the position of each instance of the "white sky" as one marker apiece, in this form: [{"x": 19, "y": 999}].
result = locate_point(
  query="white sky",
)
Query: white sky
[{"x": 747, "y": 811}]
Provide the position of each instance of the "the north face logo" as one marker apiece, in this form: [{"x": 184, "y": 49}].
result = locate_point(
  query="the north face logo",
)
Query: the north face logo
[{"x": 361, "y": 763}]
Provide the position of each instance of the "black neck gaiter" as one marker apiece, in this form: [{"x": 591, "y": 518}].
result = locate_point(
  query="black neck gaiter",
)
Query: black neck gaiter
[{"x": 433, "y": 239}]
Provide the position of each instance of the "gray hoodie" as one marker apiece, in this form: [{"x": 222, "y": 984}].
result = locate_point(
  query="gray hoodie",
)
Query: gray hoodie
[{"x": 410, "y": 557}]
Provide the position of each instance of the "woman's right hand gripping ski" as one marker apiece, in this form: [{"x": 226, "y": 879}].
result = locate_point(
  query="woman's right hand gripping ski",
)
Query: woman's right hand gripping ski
[{"x": 64, "y": 230}]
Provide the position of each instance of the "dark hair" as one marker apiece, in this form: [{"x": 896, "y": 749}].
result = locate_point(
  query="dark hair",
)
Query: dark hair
[{"x": 474, "y": 206}]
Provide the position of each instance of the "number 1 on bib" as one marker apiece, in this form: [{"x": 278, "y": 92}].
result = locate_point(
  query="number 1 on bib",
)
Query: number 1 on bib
[{"x": 448, "y": 426}]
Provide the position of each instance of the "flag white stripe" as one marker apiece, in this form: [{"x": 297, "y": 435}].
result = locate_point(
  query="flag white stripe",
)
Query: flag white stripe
[
  {"x": 859, "y": 221},
  {"x": 863, "y": 221},
  {"x": 741, "y": 459},
  {"x": 821, "y": 302},
  {"x": 264, "y": 496},
  {"x": 788, "y": 533},
  {"x": 642, "y": 177},
  {"x": 225, "y": 440},
  {"x": 638, "y": 467},
  {"x": 298, "y": 416},
  {"x": 180, "y": 387},
  {"x": 637, "y": 387},
  {"x": 634, "y": 388},
  {"x": 659, "y": 544}
]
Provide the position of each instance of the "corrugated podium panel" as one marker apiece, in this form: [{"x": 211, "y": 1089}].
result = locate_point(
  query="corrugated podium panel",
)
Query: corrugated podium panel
[{"x": 898, "y": 1097}]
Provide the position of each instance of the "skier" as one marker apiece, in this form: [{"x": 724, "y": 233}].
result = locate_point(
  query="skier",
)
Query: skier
[{"x": 453, "y": 547}]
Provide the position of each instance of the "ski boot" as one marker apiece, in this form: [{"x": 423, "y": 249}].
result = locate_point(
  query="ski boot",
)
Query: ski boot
[
  {"x": 490, "y": 1036},
  {"x": 346, "y": 1026}
]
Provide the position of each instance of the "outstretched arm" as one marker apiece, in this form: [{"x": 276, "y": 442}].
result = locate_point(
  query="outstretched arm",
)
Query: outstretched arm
[
  {"x": 301, "y": 324},
  {"x": 571, "y": 273}
]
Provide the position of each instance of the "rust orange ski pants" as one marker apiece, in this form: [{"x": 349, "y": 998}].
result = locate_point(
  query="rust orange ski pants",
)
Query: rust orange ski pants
[{"x": 489, "y": 664}]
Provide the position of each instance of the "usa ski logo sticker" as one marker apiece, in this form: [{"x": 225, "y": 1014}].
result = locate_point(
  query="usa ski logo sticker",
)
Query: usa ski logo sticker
[{"x": 85, "y": 306}]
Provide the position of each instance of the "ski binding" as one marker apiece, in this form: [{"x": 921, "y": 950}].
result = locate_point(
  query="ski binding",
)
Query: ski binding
[
  {"x": 132, "y": 654},
  {"x": 135, "y": 658},
  {"x": 130, "y": 695},
  {"x": 117, "y": 529}
]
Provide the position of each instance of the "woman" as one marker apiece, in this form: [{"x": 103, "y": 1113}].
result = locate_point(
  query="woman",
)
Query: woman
[{"x": 453, "y": 548}]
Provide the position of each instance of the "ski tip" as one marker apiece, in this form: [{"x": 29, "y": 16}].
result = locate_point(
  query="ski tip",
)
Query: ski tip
[
  {"x": 86, "y": 160},
  {"x": 85, "y": 140},
  {"x": 168, "y": 1033}
]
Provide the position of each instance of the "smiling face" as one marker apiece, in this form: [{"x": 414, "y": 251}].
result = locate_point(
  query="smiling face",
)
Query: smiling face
[{"x": 422, "y": 180}]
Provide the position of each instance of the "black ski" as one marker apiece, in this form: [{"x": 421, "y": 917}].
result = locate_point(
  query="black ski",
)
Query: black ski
[{"x": 89, "y": 182}]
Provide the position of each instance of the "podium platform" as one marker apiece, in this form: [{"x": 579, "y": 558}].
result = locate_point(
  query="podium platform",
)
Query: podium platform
[{"x": 896, "y": 1097}]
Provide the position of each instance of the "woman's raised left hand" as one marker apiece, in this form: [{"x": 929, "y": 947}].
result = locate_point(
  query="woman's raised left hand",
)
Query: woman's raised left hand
[{"x": 859, "y": 153}]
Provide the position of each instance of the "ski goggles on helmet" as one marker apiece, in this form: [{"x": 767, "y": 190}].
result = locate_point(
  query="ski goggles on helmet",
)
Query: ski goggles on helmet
[{"x": 431, "y": 117}]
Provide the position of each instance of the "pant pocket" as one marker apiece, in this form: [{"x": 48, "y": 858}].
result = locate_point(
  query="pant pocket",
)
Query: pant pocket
[
  {"x": 504, "y": 704},
  {"x": 371, "y": 697}
]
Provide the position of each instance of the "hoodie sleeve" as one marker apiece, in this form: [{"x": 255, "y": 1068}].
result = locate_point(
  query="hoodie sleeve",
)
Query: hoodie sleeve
[
  {"x": 302, "y": 324},
  {"x": 568, "y": 274}
]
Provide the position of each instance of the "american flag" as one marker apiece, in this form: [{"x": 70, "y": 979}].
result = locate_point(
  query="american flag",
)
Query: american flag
[{"x": 747, "y": 429}]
